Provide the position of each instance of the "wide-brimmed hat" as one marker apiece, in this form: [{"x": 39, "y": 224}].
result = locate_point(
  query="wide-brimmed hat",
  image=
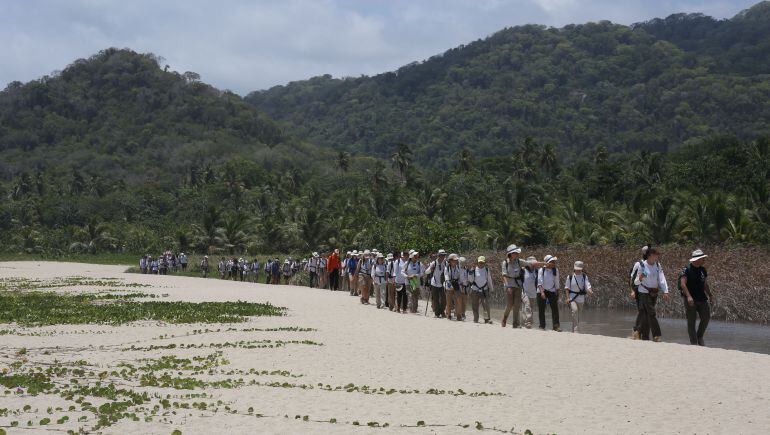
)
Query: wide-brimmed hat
[
  {"x": 513, "y": 249},
  {"x": 379, "y": 255},
  {"x": 355, "y": 252},
  {"x": 454, "y": 257},
  {"x": 367, "y": 252},
  {"x": 482, "y": 259},
  {"x": 441, "y": 252},
  {"x": 315, "y": 254},
  {"x": 413, "y": 254},
  {"x": 697, "y": 255},
  {"x": 549, "y": 258},
  {"x": 579, "y": 265},
  {"x": 389, "y": 257},
  {"x": 462, "y": 259}
]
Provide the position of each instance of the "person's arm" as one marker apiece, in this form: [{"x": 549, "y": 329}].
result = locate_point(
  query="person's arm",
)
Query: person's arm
[
  {"x": 504, "y": 273},
  {"x": 662, "y": 284},
  {"x": 540, "y": 278},
  {"x": 639, "y": 276},
  {"x": 589, "y": 287},
  {"x": 686, "y": 290},
  {"x": 566, "y": 288}
]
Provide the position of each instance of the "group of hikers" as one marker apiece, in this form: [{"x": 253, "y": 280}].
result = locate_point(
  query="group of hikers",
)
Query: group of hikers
[{"x": 396, "y": 282}]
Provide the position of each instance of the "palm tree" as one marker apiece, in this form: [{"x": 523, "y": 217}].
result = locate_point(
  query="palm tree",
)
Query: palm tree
[
  {"x": 401, "y": 160},
  {"x": 343, "y": 161},
  {"x": 234, "y": 233},
  {"x": 548, "y": 160},
  {"x": 94, "y": 236},
  {"x": 464, "y": 161},
  {"x": 207, "y": 232}
]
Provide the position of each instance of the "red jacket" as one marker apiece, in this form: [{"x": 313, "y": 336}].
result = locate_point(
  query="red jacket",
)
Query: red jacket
[{"x": 333, "y": 263}]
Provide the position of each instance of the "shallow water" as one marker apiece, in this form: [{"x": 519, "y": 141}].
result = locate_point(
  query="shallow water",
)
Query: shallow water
[{"x": 747, "y": 337}]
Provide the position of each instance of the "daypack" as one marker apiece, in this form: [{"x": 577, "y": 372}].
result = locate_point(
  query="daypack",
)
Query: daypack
[
  {"x": 435, "y": 270},
  {"x": 682, "y": 274},
  {"x": 581, "y": 291},
  {"x": 519, "y": 279},
  {"x": 632, "y": 274}
]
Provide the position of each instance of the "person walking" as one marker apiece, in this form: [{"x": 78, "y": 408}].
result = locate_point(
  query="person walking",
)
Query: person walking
[
  {"x": 697, "y": 296},
  {"x": 435, "y": 273},
  {"x": 452, "y": 286},
  {"x": 530, "y": 290},
  {"x": 400, "y": 283},
  {"x": 513, "y": 274},
  {"x": 413, "y": 272},
  {"x": 312, "y": 268},
  {"x": 480, "y": 288},
  {"x": 649, "y": 281},
  {"x": 183, "y": 262},
  {"x": 365, "y": 276},
  {"x": 143, "y": 264},
  {"x": 205, "y": 266},
  {"x": 352, "y": 272},
  {"x": 548, "y": 284},
  {"x": 333, "y": 266},
  {"x": 576, "y": 288},
  {"x": 380, "y": 280},
  {"x": 390, "y": 301},
  {"x": 466, "y": 269}
]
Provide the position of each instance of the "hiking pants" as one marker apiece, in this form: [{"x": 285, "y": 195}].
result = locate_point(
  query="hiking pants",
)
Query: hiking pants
[
  {"x": 701, "y": 309},
  {"x": 334, "y": 280},
  {"x": 414, "y": 297},
  {"x": 391, "y": 302},
  {"x": 461, "y": 296},
  {"x": 476, "y": 298},
  {"x": 438, "y": 299},
  {"x": 512, "y": 306},
  {"x": 530, "y": 305},
  {"x": 552, "y": 298},
  {"x": 576, "y": 308},
  {"x": 649, "y": 318},
  {"x": 381, "y": 293},
  {"x": 313, "y": 279},
  {"x": 401, "y": 297}
]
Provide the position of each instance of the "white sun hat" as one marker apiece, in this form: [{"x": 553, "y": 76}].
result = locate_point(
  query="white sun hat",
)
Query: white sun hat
[
  {"x": 513, "y": 249},
  {"x": 697, "y": 255},
  {"x": 549, "y": 258}
]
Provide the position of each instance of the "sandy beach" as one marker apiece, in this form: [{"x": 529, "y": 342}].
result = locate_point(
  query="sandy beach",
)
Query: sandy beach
[{"x": 499, "y": 379}]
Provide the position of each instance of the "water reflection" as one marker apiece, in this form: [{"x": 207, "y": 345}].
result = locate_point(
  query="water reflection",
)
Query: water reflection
[{"x": 746, "y": 337}]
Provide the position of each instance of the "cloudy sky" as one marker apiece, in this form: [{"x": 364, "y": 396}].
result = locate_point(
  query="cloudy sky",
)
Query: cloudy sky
[{"x": 245, "y": 45}]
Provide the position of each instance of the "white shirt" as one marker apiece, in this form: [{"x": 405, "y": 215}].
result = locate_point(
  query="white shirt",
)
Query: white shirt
[
  {"x": 576, "y": 284},
  {"x": 548, "y": 280},
  {"x": 464, "y": 279},
  {"x": 451, "y": 274},
  {"x": 481, "y": 281},
  {"x": 530, "y": 283},
  {"x": 512, "y": 270},
  {"x": 411, "y": 269},
  {"x": 380, "y": 273},
  {"x": 439, "y": 266},
  {"x": 398, "y": 271},
  {"x": 654, "y": 279}
]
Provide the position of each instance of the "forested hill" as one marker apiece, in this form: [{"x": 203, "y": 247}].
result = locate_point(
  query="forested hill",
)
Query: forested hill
[
  {"x": 118, "y": 115},
  {"x": 650, "y": 86}
]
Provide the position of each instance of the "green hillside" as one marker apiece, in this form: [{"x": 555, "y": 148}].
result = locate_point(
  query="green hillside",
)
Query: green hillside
[{"x": 652, "y": 86}]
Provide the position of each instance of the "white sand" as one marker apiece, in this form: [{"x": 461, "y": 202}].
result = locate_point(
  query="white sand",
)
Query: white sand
[{"x": 553, "y": 382}]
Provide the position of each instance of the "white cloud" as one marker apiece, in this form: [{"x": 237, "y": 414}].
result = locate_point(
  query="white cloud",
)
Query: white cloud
[{"x": 245, "y": 45}]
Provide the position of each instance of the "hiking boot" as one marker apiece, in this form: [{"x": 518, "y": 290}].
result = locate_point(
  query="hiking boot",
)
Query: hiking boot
[
  {"x": 701, "y": 342},
  {"x": 636, "y": 335},
  {"x": 657, "y": 339}
]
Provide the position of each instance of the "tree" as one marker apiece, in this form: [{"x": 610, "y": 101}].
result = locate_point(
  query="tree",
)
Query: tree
[
  {"x": 207, "y": 232},
  {"x": 343, "y": 161},
  {"x": 93, "y": 237},
  {"x": 464, "y": 161},
  {"x": 401, "y": 160}
]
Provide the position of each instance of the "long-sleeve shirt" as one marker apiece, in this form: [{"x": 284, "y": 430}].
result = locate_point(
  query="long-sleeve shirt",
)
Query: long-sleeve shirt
[
  {"x": 530, "y": 282},
  {"x": 398, "y": 271},
  {"x": 512, "y": 271},
  {"x": 576, "y": 284},
  {"x": 380, "y": 273},
  {"x": 465, "y": 277},
  {"x": 654, "y": 279},
  {"x": 436, "y": 272},
  {"x": 549, "y": 279},
  {"x": 480, "y": 280},
  {"x": 411, "y": 269},
  {"x": 451, "y": 274}
]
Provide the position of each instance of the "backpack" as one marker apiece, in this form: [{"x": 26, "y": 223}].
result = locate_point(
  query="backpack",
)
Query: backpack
[
  {"x": 682, "y": 273},
  {"x": 632, "y": 275},
  {"x": 435, "y": 270}
]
